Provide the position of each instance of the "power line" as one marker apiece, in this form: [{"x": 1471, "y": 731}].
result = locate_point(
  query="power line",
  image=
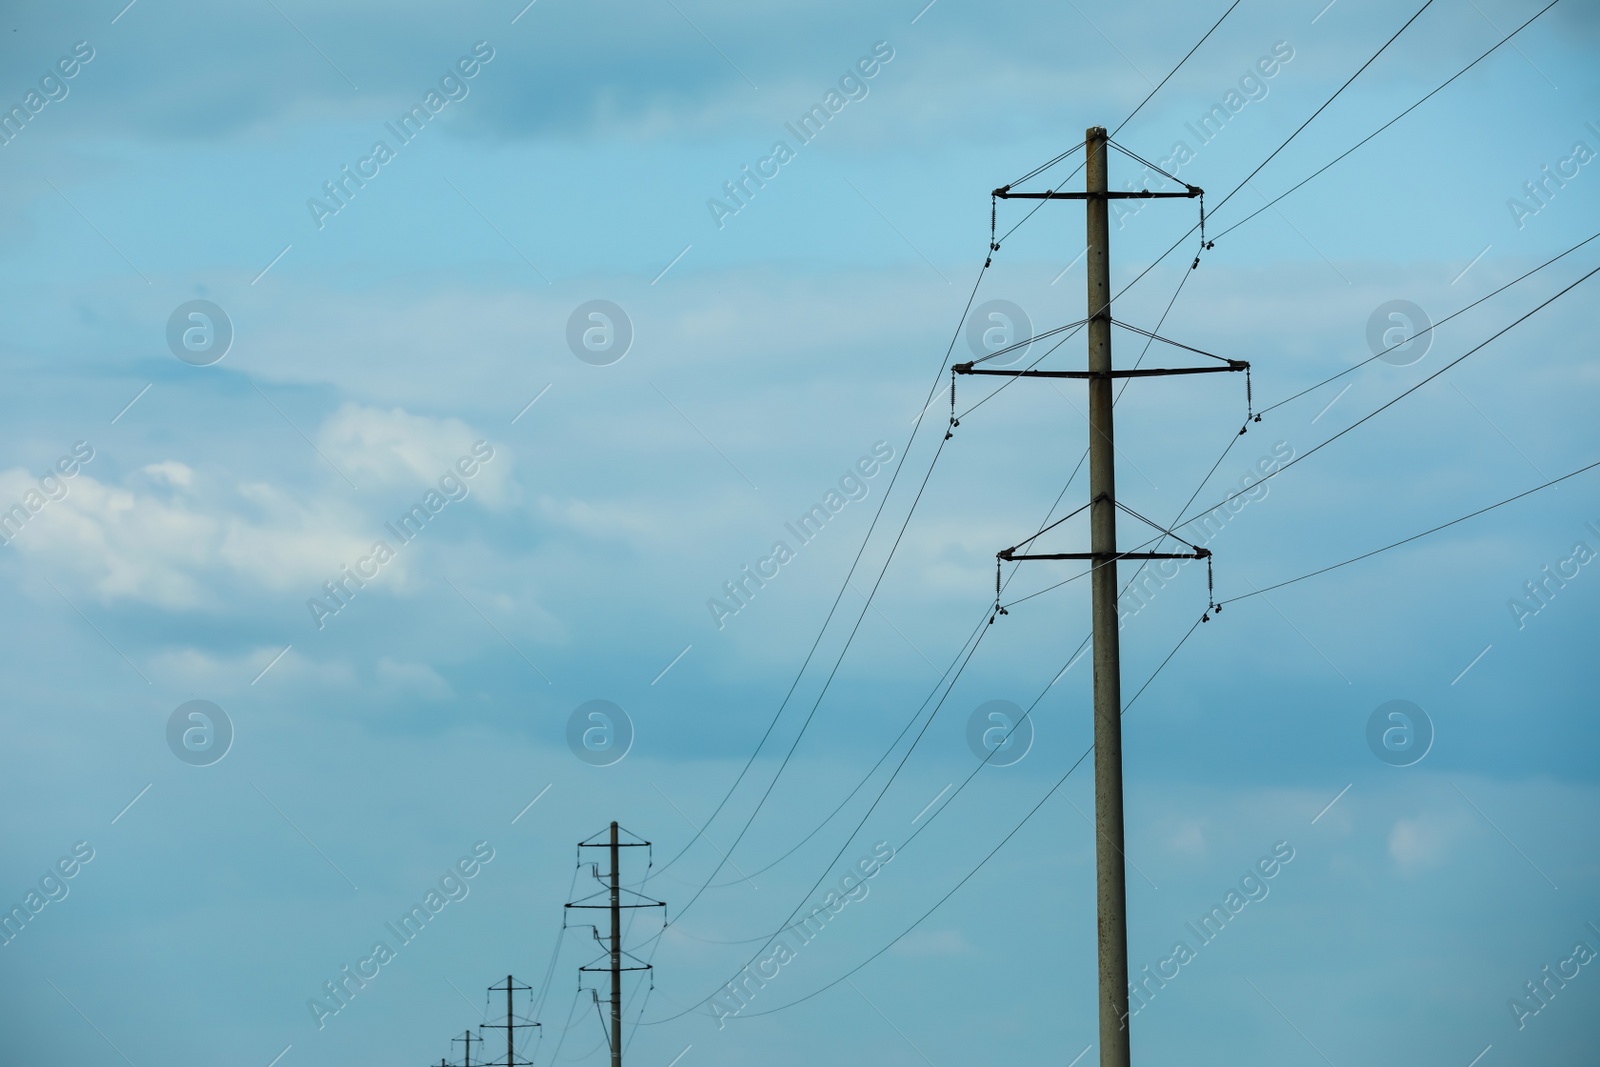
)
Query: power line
[
  {"x": 1385, "y": 126},
  {"x": 1430, "y": 329},
  {"x": 1044, "y": 525},
  {"x": 865, "y": 606},
  {"x": 858, "y": 786},
  {"x": 1139, "y": 277},
  {"x": 1044, "y": 167},
  {"x": 1390, "y": 403},
  {"x": 882, "y": 503},
  {"x": 1175, "y": 69},
  {"x": 806, "y": 896},
  {"x": 981, "y": 863},
  {"x": 978, "y": 635},
  {"x": 1189, "y": 232},
  {"x": 787, "y": 756},
  {"x": 1427, "y": 4},
  {"x": 1264, "y": 163},
  {"x": 1415, "y": 537}
]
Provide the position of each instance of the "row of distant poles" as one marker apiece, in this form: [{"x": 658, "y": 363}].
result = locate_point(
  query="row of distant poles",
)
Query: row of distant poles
[
  {"x": 1112, "y": 915},
  {"x": 510, "y": 1026},
  {"x": 614, "y": 959}
]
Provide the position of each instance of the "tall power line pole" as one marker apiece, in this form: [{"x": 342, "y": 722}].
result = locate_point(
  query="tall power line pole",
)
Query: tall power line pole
[
  {"x": 1111, "y": 875},
  {"x": 614, "y": 951},
  {"x": 1111, "y": 880}
]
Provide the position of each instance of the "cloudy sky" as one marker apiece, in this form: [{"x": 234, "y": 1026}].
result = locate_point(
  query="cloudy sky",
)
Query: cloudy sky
[{"x": 395, "y": 381}]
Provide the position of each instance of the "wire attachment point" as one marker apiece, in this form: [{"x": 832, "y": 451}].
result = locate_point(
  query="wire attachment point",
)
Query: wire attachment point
[
  {"x": 954, "y": 422},
  {"x": 998, "y": 610}
]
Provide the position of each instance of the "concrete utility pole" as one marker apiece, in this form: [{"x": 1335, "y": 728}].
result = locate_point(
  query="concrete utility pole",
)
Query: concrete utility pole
[
  {"x": 1111, "y": 875},
  {"x": 1110, "y": 869},
  {"x": 616, "y": 954}
]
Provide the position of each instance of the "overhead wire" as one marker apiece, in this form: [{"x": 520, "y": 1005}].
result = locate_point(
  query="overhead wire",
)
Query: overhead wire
[
  {"x": 1414, "y": 537},
  {"x": 1188, "y": 233},
  {"x": 868, "y": 599},
  {"x": 882, "y": 792},
  {"x": 1045, "y": 524},
  {"x": 972, "y": 650},
  {"x": 1386, "y": 125},
  {"x": 994, "y": 246},
  {"x": 1176, "y": 67},
  {"x": 1234, "y": 438},
  {"x": 1395, "y": 400},
  {"x": 1184, "y": 516},
  {"x": 827, "y": 683},
  {"x": 859, "y": 784},
  {"x": 1430, "y": 328},
  {"x": 1337, "y": 92},
  {"x": 877, "y": 514},
  {"x": 983, "y": 862}
]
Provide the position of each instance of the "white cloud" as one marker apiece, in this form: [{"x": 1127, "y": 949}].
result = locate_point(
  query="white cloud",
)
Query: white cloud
[
  {"x": 1421, "y": 843},
  {"x": 1189, "y": 838},
  {"x": 396, "y": 449},
  {"x": 181, "y": 539},
  {"x": 415, "y": 680}
]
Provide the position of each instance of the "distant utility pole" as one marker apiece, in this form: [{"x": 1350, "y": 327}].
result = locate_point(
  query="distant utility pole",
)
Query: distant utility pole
[
  {"x": 469, "y": 1039},
  {"x": 1103, "y": 557},
  {"x": 615, "y": 952},
  {"x": 510, "y": 1026}
]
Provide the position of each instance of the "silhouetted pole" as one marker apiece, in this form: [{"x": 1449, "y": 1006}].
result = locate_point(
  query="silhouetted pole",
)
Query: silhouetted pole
[
  {"x": 469, "y": 1039},
  {"x": 616, "y": 954}
]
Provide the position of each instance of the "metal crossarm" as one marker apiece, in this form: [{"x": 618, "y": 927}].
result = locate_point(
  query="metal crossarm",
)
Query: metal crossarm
[
  {"x": 1146, "y": 372},
  {"x": 1011, "y": 557},
  {"x": 1005, "y": 193}
]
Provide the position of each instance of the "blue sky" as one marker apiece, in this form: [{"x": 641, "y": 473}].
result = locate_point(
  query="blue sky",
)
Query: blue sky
[{"x": 772, "y": 349}]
